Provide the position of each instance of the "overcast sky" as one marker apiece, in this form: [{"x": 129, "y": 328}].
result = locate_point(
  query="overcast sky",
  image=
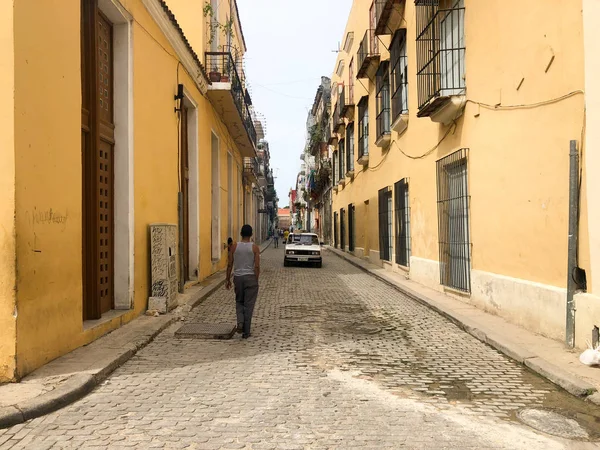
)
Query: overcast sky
[{"x": 290, "y": 46}]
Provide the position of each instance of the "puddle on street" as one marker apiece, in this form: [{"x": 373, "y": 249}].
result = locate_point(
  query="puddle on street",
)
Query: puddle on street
[{"x": 559, "y": 401}]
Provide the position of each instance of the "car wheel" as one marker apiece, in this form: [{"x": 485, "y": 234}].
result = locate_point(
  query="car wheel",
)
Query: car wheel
[
  {"x": 319, "y": 264},
  {"x": 286, "y": 263}
]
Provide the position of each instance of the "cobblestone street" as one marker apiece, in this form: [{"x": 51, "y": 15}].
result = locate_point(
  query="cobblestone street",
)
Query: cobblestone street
[{"x": 337, "y": 359}]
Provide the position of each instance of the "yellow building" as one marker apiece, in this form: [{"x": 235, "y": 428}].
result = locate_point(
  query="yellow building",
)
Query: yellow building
[
  {"x": 452, "y": 123},
  {"x": 113, "y": 113}
]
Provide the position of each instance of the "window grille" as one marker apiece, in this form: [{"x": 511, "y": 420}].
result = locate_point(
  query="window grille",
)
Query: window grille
[
  {"x": 336, "y": 238},
  {"x": 402, "y": 209},
  {"x": 342, "y": 229},
  {"x": 351, "y": 226},
  {"x": 399, "y": 74},
  {"x": 350, "y": 147},
  {"x": 363, "y": 127},
  {"x": 341, "y": 158},
  {"x": 385, "y": 224},
  {"x": 453, "y": 221},
  {"x": 383, "y": 99},
  {"x": 440, "y": 49},
  {"x": 334, "y": 168}
]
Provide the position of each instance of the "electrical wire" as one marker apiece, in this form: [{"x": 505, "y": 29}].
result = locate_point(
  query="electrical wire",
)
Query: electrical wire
[{"x": 498, "y": 107}]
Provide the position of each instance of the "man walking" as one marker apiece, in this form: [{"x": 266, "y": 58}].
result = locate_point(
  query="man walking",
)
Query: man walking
[
  {"x": 276, "y": 239},
  {"x": 244, "y": 261}
]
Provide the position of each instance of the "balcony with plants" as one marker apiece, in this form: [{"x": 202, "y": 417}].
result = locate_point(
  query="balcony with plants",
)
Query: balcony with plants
[{"x": 227, "y": 90}]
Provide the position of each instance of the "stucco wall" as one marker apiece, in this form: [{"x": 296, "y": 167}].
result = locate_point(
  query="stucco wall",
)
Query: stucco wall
[
  {"x": 518, "y": 158},
  {"x": 8, "y": 327},
  {"x": 49, "y": 174}
]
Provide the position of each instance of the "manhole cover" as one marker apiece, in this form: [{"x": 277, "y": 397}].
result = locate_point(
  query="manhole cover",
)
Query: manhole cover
[
  {"x": 206, "y": 331},
  {"x": 552, "y": 423}
]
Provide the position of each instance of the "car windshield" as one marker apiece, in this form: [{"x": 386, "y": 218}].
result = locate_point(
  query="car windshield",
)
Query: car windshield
[{"x": 306, "y": 239}]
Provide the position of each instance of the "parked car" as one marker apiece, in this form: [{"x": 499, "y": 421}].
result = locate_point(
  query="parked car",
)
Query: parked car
[{"x": 303, "y": 248}]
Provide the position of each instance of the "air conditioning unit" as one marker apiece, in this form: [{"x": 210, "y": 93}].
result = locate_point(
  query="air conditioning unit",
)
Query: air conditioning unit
[{"x": 163, "y": 263}]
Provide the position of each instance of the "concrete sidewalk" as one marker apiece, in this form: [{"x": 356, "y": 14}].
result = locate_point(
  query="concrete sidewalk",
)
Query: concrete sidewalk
[
  {"x": 548, "y": 358},
  {"x": 70, "y": 377}
]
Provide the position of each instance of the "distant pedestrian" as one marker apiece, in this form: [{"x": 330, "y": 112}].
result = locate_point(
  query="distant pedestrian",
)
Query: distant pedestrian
[
  {"x": 276, "y": 239},
  {"x": 244, "y": 262},
  {"x": 229, "y": 244}
]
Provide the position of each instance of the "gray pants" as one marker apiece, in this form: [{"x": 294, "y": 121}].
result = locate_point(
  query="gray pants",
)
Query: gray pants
[{"x": 246, "y": 291}]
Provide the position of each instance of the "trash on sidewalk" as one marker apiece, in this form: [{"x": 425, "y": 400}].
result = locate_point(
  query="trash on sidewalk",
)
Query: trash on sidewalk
[{"x": 591, "y": 356}]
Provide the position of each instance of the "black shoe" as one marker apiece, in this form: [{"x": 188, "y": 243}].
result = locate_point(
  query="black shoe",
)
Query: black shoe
[
  {"x": 239, "y": 329},
  {"x": 245, "y": 336}
]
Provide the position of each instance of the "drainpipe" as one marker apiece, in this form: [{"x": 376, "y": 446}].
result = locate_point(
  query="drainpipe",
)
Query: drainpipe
[
  {"x": 182, "y": 269},
  {"x": 573, "y": 234}
]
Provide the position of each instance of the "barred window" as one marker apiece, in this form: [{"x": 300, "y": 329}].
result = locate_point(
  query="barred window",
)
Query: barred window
[
  {"x": 453, "y": 221},
  {"x": 383, "y": 99},
  {"x": 350, "y": 147},
  {"x": 336, "y": 239},
  {"x": 402, "y": 210},
  {"x": 385, "y": 224},
  {"x": 341, "y": 158},
  {"x": 440, "y": 50},
  {"x": 342, "y": 229},
  {"x": 363, "y": 127},
  {"x": 334, "y": 168},
  {"x": 399, "y": 74}
]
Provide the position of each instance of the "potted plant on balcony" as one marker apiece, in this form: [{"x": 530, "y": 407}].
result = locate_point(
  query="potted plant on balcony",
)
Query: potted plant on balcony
[{"x": 214, "y": 75}]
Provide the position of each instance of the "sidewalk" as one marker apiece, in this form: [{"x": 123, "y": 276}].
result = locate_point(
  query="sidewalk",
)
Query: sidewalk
[
  {"x": 548, "y": 358},
  {"x": 72, "y": 376}
]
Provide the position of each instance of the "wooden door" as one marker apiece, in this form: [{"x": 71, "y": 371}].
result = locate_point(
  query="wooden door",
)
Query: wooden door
[
  {"x": 97, "y": 159},
  {"x": 185, "y": 190}
]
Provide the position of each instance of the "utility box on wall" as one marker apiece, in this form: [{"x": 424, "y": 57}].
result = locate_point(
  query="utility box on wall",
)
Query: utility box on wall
[{"x": 163, "y": 262}]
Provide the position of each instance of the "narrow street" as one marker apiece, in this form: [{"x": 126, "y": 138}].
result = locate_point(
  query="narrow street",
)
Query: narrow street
[{"x": 337, "y": 359}]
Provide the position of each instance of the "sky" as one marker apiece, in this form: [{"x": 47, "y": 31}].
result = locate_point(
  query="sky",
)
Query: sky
[{"x": 291, "y": 44}]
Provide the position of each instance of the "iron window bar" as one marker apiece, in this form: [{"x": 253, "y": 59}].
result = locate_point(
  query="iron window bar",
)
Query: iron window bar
[
  {"x": 402, "y": 216},
  {"x": 399, "y": 70},
  {"x": 383, "y": 100},
  {"x": 384, "y": 224},
  {"x": 363, "y": 127},
  {"x": 335, "y": 230},
  {"x": 440, "y": 51},
  {"x": 350, "y": 148},
  {"x": 341, "y": 159},
  {"x": 222, "y": 66},
  {"x": 453, "y": 202},
  {"x": 342, "y": 230}
]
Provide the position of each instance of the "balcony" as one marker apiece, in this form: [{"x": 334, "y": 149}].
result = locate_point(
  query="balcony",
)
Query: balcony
[
  {"x": 441, "y": 49},
  {"x": 338, "y": 119},
  {"x": 368, "y": 55},
  {"x": 251, "y": 169},
  {"x": 232, "y": 101},
  {"x": 261, "y": 176},
  {"x": 388, "y": 15},
  {"x": 363, "y": 150},
  {"x": 347, "y": 103}
]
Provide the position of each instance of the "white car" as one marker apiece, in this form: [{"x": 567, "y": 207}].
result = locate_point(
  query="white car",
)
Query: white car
[{"x": 303, "y": 248}]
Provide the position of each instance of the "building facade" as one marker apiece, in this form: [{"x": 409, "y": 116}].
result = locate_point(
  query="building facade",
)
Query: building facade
[
  {"x": 141, "y": 108},
  {"x": 319, "y": 153},
  {"x": 451, "y": 138}
]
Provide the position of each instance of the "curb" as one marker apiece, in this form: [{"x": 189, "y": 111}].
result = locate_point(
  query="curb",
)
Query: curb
[
  {"x": 82, "y": 384},
  {"x": 570, "y": 383}
]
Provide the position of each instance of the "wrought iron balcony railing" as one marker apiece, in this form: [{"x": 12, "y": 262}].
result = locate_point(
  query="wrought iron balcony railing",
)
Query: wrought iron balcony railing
[
  {"x": 251, "y": 167},
  {"x": 222, "y": 69},
  {"x": 367, "y": 52}
]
